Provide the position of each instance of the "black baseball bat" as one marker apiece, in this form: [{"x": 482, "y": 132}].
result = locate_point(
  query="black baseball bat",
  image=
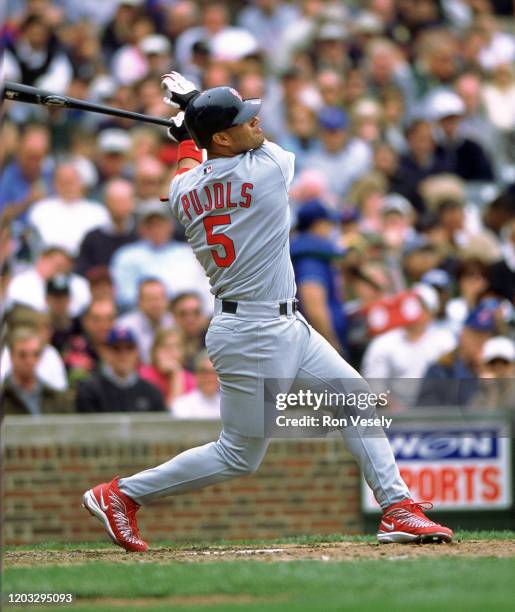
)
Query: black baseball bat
[{"x": 35, "y": 95}]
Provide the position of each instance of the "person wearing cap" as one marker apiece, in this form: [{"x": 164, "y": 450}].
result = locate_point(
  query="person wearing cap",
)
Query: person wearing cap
[
  {"x": 341, "y": 159},
  {"x": 331, "y": 47},
  {"x": 29, "y": 286},
  {"x": 440, "y": 280},
  {"x": 399, "y": 358},
  {"x": 452, "y": 380},
  {"x": 65, "y": 218},
  {"x": 99, "y": 245},
  {"x": 419, "y": 255},
  {"x": 497, "y": 376},
  {"x": 397, "y": 218},
  {"x": 314, "y": 255},
  {"x": 156, "y": 255},
  {"x": 466, "y": 157},
  {"x": 113, "y": 148},
  {"x": 23, "y": 391},
  {"x": 63, "y": 326},
  {"x": 116, "y": 386}
]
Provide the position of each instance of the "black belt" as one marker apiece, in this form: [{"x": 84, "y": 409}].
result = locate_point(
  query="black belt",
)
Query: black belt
[{"x": 231, "y": 307}]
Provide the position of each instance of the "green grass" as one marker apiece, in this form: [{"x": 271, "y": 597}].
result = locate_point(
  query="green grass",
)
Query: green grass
[
  {"x": 424, "y": 584},
  {"x": 304, "y": 539},
  {"x": 388, "y": 585}
]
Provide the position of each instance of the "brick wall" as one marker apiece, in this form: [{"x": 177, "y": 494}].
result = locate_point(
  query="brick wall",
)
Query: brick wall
[{"x": 302, "y": 487}]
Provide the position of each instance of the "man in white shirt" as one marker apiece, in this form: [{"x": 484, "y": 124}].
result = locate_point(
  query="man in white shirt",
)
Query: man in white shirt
[
  {"x": 64, "y": 219},
  {"x": 342, "y": 160},
  {"x": 398, "y": 359},
  {"x": 203, "y": 402},
  {"x": 151, "y": 315},
  {"x": 157, "y": 255},
  {"x": 29, "y": 287}
]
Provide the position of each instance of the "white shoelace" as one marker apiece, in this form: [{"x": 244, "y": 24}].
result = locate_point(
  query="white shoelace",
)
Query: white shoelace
[
  {"x": 121, "y": 518},
  {"x": 410, "y": 519}
]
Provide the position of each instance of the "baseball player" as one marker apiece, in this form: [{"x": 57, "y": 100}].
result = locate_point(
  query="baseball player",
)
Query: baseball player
[{"x": 231, "y": 194}]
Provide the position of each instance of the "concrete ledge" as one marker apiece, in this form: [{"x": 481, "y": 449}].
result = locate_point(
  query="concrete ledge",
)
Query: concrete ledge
[{"x": 104, "y": 428}]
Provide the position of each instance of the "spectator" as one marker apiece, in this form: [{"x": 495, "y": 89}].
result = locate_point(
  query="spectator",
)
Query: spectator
[
  {"x": 422, "y": 159},
  {"x": 166, "y": 370},
  {"x": 157, "y": 255},
  {"x": 100, "y": 283},
  {"x": 400, "y": 357},
  {"x": 149, "y": 181},
  {"x": 204, "y": 401},
  {"x": 23, "y": 391},
  {"x": 50, "y": 367},
  {"x": 497, "y": 376},
  {"x": 27, "y": 179},
  {"x": 472, "y": 282},
  {"x": 474, "y": 124},
  {"x": 62, "y": 325},
  {"x": 83, "y": 352},
  {"x": 118, "y": 30},
  {"x": 441, "y": 282},
  {"x": 64, "y": 219},
  {"x": 266, "y": 20},
  {"x": 113, "y": 146},
  {"x": 418, "y": 257},
  {"x": 465, "y": 157},
  {"x": 314, "y": 255},
  {"x": 502, "y": 273},
  {"x": 116, "y": 387},
  {"x": 36, "y": 58},
  {"x": 191, "y": 323},
  {"x": 452, "y": 380},
  {"x": 99, "y": 245},
  {"x": 150, "y": 316},
  {"x": 397, "y": 219},
  {"x": 29, "y": 287},
  {"x": 341, "y": 159}
]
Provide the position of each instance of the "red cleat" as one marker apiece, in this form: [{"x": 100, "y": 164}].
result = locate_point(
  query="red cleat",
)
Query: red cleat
[
  {"x": 405, "y": 522},
  {"x": 117, "y": 512}
]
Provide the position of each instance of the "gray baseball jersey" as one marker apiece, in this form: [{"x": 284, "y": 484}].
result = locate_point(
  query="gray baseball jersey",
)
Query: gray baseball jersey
[{"x": 237, "y": 219}]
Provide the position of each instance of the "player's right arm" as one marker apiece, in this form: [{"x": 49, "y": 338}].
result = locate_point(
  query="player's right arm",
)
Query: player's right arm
[{"x": 180, "y": 92}]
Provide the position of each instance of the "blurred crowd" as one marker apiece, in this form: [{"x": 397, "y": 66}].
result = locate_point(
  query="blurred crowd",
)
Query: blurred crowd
[{"x": 401, "y": 114}]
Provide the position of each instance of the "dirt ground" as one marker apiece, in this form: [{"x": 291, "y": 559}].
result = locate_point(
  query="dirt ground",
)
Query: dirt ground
[{"x": 337, "y": 551}]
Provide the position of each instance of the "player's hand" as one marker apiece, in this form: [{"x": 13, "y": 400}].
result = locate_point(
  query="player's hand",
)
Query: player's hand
[
  {"x": 178, "y": 131},
  {"x": 179, "y": 90}
]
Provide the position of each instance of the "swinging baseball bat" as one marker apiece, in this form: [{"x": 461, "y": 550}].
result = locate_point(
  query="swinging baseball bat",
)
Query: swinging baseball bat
[{"x": 35, "y": 95}]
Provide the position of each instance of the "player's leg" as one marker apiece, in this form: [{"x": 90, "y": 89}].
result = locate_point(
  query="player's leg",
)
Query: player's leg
[
  {"x": 230, "y": 456},
  {"x": 242, "y": 352},
  {"x": 403, "y": 520}
]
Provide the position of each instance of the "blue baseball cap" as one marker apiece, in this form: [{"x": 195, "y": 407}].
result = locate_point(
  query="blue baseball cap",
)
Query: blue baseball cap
[
  {"x": 440, "y": 279},
  {"x": 482, "y": 317},
  {"x": 312, "y": 211},
  {"x": 119, "y": 335},
  {"x": 333, "y": 118}
]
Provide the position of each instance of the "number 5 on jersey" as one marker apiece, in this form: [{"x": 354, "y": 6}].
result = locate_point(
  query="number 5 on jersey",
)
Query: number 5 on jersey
[{"x": 219, "y": 238}]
